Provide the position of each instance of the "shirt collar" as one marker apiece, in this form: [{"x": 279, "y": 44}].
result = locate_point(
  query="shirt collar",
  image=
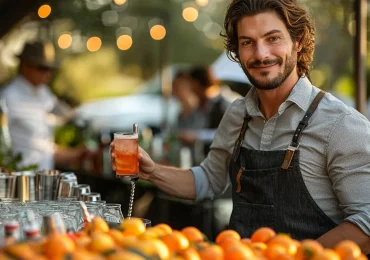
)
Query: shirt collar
[
  {"x": 27, "y": 86},
  {"x": 300, "y": 95}
]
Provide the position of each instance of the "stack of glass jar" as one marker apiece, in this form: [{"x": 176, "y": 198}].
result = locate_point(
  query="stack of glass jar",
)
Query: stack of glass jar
[{"x": 48, "y": 192}]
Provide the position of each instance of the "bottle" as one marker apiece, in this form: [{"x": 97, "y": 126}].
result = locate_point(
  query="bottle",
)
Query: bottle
[
  {"x": 31, "y": 228},
  {"x": 11, "y": 228}
]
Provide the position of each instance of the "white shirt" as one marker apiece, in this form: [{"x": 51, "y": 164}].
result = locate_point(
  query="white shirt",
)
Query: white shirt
[{"x": 31, "y": 131}]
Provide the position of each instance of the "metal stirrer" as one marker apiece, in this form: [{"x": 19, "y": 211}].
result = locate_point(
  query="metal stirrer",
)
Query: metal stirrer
[{"x": 133, "y": 181}]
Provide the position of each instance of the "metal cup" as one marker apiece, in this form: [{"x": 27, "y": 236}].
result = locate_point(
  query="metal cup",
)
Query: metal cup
[
  {"x": 68, "y": 176},
  {"x": 65, "y": 188},
  {"x": 26, "y": 185},
  {"x": 47, "y": 184},
  {"x": 66, "y": 180},
  {"x": 80, "y": 189},
  {"x": 7, "y": 186},
  {"x": 93, "y": 196}
]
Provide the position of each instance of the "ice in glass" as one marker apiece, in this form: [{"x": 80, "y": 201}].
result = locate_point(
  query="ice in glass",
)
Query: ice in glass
[{"x": 126, "y": 150}]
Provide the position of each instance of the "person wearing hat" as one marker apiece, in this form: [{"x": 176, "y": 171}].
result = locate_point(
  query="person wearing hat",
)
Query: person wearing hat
[{"x": 33, "y": 109}]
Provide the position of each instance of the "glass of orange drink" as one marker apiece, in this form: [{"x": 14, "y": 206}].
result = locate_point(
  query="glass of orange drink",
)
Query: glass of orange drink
[{"x": 126, "y": 150}]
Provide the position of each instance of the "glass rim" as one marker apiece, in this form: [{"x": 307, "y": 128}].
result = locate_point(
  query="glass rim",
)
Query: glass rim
[
  {"x": 126, "y": 135},
  {"x": 112, "y": 205}
]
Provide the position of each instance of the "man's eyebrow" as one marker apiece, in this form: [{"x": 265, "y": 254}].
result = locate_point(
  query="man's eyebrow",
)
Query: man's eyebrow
[
  {"x": 242, "y": 37},
  {"x": 272, "y": 32}
]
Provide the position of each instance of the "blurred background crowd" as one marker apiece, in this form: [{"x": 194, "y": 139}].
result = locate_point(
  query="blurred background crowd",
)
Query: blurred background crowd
[{"x": 106, "y": 64}]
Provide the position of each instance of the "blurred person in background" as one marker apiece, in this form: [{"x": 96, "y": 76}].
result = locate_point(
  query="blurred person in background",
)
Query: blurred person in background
[
  {"x": 211, "y": 107},
  {"x": 34, "y": 111},
  {"x": 183, "y": 91}
]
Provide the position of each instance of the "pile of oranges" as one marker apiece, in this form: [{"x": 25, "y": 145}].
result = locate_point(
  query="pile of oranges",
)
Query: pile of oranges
[{"x": 133, "y": 241}]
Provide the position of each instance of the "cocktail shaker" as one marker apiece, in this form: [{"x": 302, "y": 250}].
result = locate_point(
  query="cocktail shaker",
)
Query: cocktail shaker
[
  {"x": 47, "y": 184},
  {"x": 7, "y": 186},
  {"x": 26, "y": 185}
]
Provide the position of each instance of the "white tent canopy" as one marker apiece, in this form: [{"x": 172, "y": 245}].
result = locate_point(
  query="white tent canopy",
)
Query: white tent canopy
[{"x": 225, "y": 69}]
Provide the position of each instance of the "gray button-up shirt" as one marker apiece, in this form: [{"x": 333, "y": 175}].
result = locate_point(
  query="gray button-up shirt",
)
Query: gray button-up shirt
[{"x": 334, "y": 150}]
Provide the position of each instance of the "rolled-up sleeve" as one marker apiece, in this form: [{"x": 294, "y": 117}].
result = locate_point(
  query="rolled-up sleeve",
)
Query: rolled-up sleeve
[
  {"x": 211, "y": 177},
  {"x": 202, "y": 188},
  {"x": 349, "y": 167}
]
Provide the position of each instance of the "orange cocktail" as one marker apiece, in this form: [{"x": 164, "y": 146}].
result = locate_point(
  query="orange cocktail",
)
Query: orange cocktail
[{"x": 126, "y": 150}]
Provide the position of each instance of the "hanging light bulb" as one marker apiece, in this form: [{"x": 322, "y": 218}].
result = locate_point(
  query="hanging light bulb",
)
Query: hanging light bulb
[
  {"x": 190, "y": 14},
  {"x": 93, "y": 44},
  {"x": 65, "y": 41},
  {"x": 44, "y": 11},
  {"x": 158, "y": 32},
  {"x": 124, "y": 42}
]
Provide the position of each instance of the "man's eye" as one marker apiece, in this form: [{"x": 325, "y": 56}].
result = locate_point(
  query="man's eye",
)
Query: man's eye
[
  {"x": 246, "y": 42},
  {"x": 274, "y": 38}
]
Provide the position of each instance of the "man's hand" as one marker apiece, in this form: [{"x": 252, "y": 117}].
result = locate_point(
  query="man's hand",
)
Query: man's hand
[{"x": 146, "y": 164}]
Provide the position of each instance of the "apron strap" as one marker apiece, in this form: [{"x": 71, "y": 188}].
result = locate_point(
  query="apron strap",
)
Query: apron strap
[
  {"x": 302, "y": 125},
  {"x": 239, "y": 141}
]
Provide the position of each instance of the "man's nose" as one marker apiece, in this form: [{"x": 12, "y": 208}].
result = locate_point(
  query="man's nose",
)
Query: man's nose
[{"x": 262, "y": 51}]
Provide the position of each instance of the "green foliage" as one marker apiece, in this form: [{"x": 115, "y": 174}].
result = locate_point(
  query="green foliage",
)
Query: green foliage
[
  {"x": 68, "y": 136},
  {"x": 11, "y": 162}
]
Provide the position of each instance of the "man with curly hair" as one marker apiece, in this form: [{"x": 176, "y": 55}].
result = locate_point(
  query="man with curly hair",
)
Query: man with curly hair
[{"x": 297, "y": 157}]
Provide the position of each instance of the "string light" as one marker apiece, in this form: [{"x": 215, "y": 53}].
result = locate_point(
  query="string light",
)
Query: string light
[
  {"x": 158, "y": 32},
  {"x": 190, "y": 14},
  {"x": 93, "y": 44},
  {"x": 124, "y": 42},
  {"x": 202, "y": 2},
  {"x": 44, "y": 11},
  {"x": 65, "y": 41},
  {"x": 119, "y": 2}
]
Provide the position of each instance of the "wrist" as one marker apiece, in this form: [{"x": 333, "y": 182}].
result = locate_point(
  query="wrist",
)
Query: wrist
[{"x": 153, "y": 175}]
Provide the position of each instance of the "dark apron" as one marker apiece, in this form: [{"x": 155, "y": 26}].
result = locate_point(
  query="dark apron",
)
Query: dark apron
[{"x": 269, "y": 191}]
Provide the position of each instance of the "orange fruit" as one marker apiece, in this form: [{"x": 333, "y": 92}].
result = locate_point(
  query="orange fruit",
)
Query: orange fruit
[
  {"x": 99, "y": 224},
  {"x": 82, "y": 254},
  {"x": 211, "y": 252},
  {"x": 101, "y": 242},
  {"x": 285, "y": 241},
  {"x": 163, "y": 229},
  {"x": 246, "y": 241},
  {"x": 229, "y": 233},
  {"x": 263, "y": 234},
  {"x": 117, "y": 236},
  {"x": 189, "y": 254},
  {"x": 123, "y": 255},
  {"x": 347, "y": 249},
  {"x": 326, "y": 254},
  {"x": 362, "y": 257},
  {"x": 284, "y": 256},
  {"x": 151, "y": 233},
  {"x": 153, "y": 248},
  {"x": 83, "y": 241},
  {"x": 175, "y": 241},
  {"x": 225, "y": 243},
  {"x": 57, "y": 245},
  {"x": 128, "y": 242},
  {"x": 258, "y": 246},
  {"x": 133, "y": 226},
  {"x": 4, "y": 257},
  {"x": 274, "y": 251},
  {"x": 193, "y": 234},
  {"x": 20, "y": 251},
  {"x": 238, "y": 251},
  {"x": 308, "y": 249}
]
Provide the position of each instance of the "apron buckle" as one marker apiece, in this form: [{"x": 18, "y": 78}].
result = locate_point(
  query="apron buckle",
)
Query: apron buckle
[{"x": 289, "y": 156}]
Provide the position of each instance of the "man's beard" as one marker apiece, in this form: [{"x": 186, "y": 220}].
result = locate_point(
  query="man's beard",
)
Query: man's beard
[{"x": 267, "y": 84}]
